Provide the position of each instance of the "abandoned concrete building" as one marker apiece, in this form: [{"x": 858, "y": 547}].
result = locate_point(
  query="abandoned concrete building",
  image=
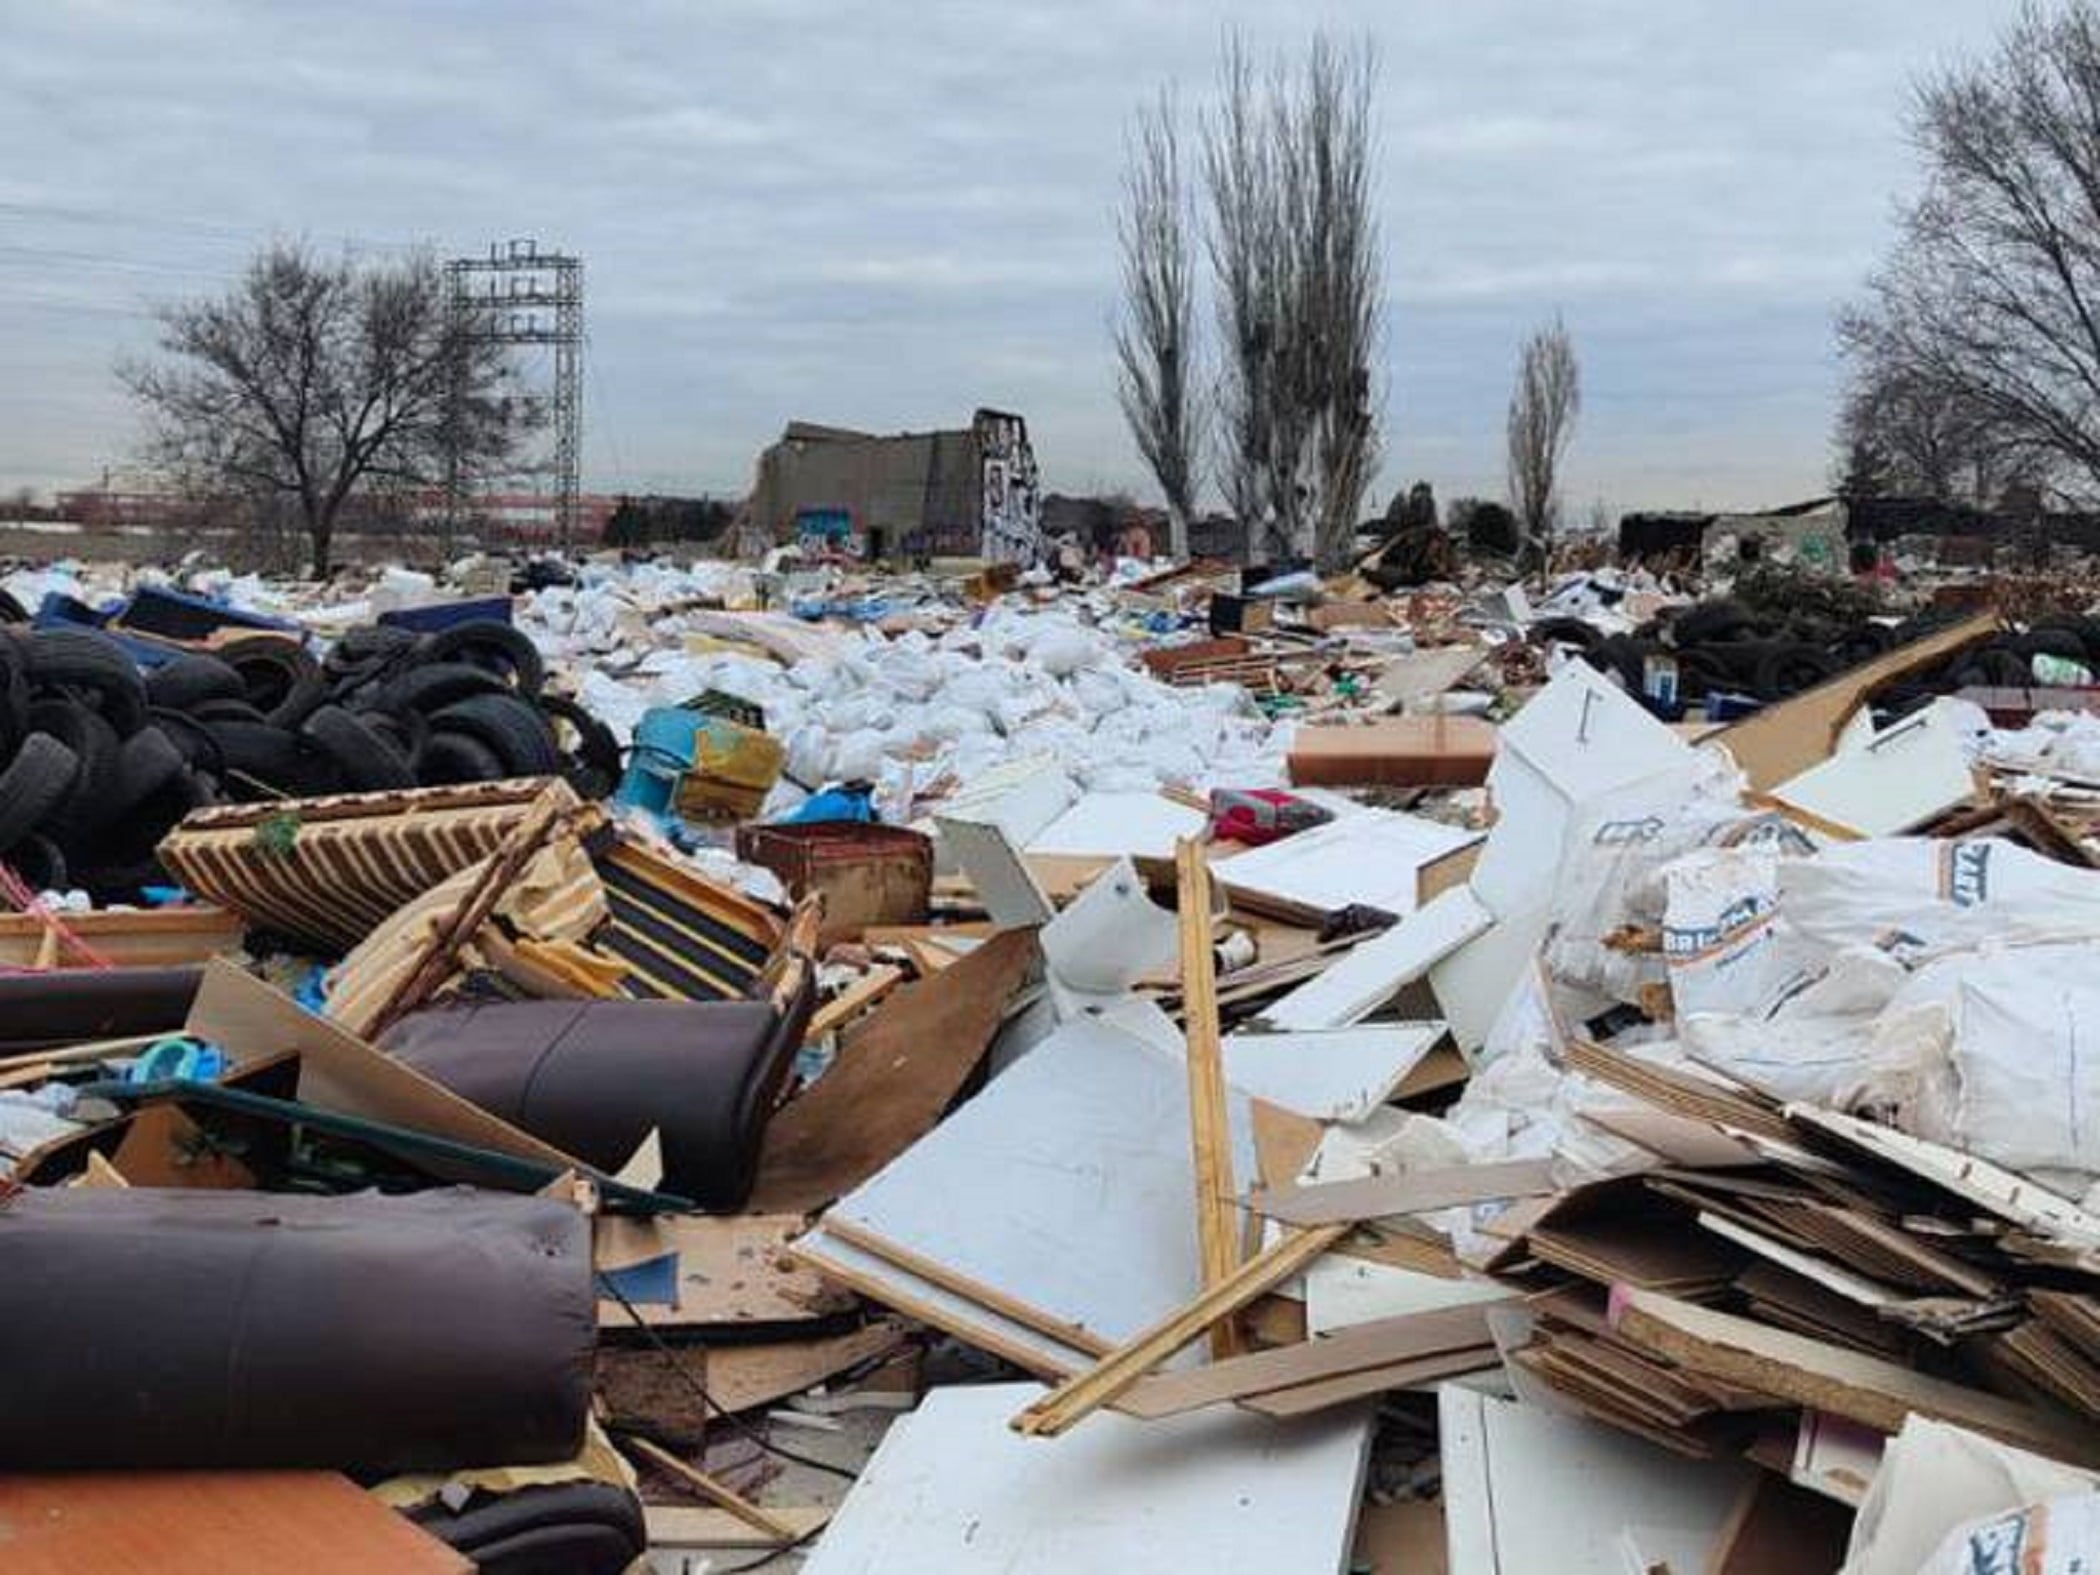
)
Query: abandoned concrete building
[{"x": 967, "y": 492}]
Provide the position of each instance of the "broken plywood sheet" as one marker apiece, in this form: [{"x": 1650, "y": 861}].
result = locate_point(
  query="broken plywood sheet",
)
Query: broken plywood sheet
[
  {"x": 1404, "y": 680},
  {"x": 1066, "y": 1185},
  {"x": 1807, "y": 1372},
  {"x": 892, "y": 1079},
  {"x": 730, "y": 1269},
  {"x": 1370, "y": 974},
  {"x": 1911, "y": 772},
  {"x": 954, "y": 1491},
  {"x": 1527, "y": 1490},
  {"x": 1329, "y": 1074},
  {"x": 1374, "y": 857}
]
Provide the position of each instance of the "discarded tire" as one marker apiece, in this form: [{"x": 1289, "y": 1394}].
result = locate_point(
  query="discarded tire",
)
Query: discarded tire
[
  {"x": 97, "y": 762},
  {"x": 510, "y": 728},
  {"x": 495, "y": 648},
  {"x": 282, "y": 681},
  {"x": 37, "y": 781}
]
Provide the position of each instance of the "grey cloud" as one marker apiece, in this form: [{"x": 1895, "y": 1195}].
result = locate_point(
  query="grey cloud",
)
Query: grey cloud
[{"x": 886, "y": 213}]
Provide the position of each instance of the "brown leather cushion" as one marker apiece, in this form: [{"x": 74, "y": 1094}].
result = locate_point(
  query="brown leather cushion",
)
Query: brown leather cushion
[
  {"x": 593, "y": 1077},
  {"x": 151, "y": 1328}
]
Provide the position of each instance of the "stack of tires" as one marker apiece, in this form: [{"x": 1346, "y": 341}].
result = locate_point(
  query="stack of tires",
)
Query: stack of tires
[
  {"x": 99, "y": 760},
  {"x": 1720, "y": 646}
]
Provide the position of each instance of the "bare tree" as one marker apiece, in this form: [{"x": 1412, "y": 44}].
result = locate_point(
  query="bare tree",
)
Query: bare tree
[
  {"x": 312, "y": 384},
  {"x": 1542, "y": 414},
  {"x": 1294, "y": 249},
  {"x": 1989, "y": 302},
  {"x": 1155, "y": 340},
  {"x": 1327, "y": 141},
  {"x": 1245, "y": 242},
  {"x": 1901, "y": 435}
]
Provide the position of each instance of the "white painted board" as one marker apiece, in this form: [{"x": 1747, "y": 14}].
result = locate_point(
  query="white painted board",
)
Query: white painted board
[
  {"x": 1526, "y": 1491},
  {"x": 1371, "y": 973},
  {"x": 1375, "y": 857},
  {"x": 1579, "y": 738},
  {"x": 1475, "y": 981},
  {"x": 1907, "y": 774},
  {"x": 1342, "y": 1292},
  {"x": 1329, "y": 1074},
  {"x": 1105, "y": 825},
  {"x": 1067, "y": 1184},
  {"x": 953, "y": 1491}
]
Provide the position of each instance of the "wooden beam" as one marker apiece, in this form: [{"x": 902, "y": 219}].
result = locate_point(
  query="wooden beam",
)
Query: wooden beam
[
  {"x": 1115, "y": 1373},
  {"x": 1410, "y": 1192},
  {"x": 434, "y": 960},
  {"x": 1210, "y": 1126},
  {"x": 717, "y": 1491},
  {"x": 855, "y": 999},
  {"x": 1387, "y": 1342}
]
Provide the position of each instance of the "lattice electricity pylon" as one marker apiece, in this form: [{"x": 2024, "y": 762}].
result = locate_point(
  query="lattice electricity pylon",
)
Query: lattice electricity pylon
[{"x": 524, "y": 296}]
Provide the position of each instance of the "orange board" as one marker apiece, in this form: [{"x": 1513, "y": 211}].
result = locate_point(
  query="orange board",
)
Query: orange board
[{"x": 209, "y": 1523}]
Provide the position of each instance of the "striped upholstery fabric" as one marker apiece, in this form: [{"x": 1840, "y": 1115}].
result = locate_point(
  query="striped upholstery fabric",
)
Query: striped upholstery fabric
[{"x": 329, "y": 871}]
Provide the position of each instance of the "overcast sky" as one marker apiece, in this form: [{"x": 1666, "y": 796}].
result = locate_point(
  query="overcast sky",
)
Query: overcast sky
[{"x": 884, "y": 214}]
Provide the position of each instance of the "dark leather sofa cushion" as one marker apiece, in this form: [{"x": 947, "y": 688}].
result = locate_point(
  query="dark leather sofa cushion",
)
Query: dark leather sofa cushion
[
  {"x": 152, "y": 1328},
  {"x": 593, "y": 1077}
]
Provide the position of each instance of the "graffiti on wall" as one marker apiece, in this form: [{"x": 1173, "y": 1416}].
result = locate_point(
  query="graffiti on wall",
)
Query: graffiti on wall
[{"x": 1013, "y": 500}]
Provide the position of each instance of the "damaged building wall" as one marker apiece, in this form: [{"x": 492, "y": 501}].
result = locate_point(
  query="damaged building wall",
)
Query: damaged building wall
[{"x": 962, "y": 492}]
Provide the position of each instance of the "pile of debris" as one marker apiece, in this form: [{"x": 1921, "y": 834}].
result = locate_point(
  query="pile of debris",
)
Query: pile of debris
[{"x": 1176, "y": 1071}]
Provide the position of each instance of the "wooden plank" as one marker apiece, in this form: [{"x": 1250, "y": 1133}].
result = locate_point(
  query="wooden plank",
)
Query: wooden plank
[
  {"x": 1411, "y": 1192},
  {"x": 892, "y": 1079},
  {"x": 1330, "y": 1392},
  {"x": 1209, "y": 1132},
  {"x": 1807, "y": 1372},
  {"x": 988, "y": 1296},
  {"x": 890, "y": 1285},
  {"x": 1082, "y": 1395},
  {"x": 684, "y": 1526},
  {"x": 1386, "y": 1343},
  {"x": 209, "y": 1523},
  {"x": 858, "y": 997},
  {"x": 715, "y": 1490}
]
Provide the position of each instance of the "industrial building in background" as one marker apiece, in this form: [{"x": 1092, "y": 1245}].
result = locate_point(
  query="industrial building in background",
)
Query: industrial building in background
[
  {"x": 970, "y": 492},
  {"x": 529, "y": 297}
]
